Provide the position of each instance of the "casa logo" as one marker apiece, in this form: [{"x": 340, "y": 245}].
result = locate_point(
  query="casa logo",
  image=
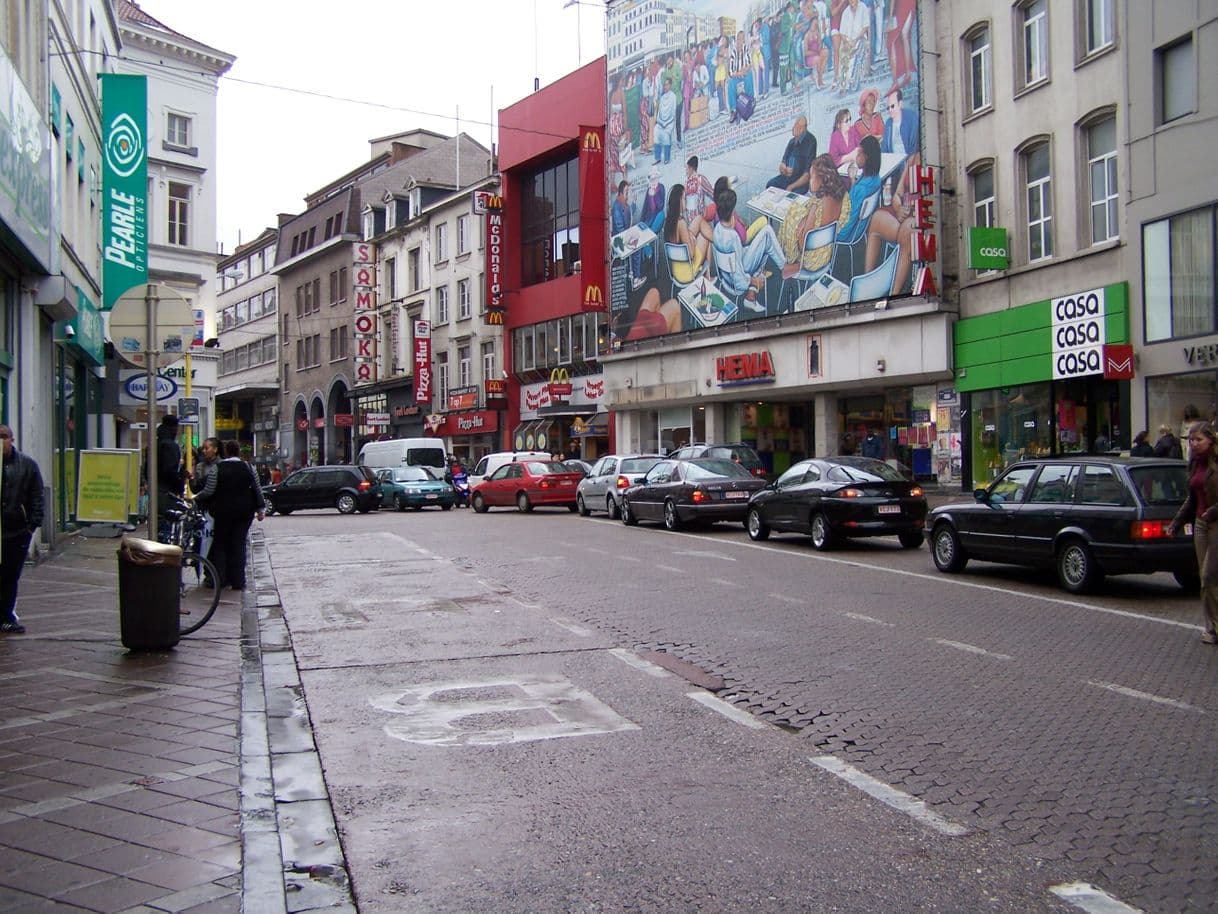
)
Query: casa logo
[
  {"x": 993, "y": 252},
  {"x": 745, "y": 368}
]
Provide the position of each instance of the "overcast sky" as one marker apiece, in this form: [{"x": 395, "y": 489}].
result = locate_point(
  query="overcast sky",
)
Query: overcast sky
[{"x": 416, "y": 63}]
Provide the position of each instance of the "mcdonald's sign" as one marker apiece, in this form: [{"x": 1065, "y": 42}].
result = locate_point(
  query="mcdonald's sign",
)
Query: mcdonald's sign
[
  {"x": 560, "y": 383},
  {"x": 485, "y": 201},
  {"x": 594, "y": 297},
  {"x": 593, "y": 220},
  {"x": 592, "y": 141}
]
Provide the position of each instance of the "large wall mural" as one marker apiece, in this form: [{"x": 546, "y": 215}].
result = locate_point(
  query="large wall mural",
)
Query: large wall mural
[{"x": 761, "y": 157}]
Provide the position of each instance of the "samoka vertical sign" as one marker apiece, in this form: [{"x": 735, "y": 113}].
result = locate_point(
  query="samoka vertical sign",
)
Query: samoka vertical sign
[
  {"x": 364, "y": 288},
  {"x": 124, "y": 184}
]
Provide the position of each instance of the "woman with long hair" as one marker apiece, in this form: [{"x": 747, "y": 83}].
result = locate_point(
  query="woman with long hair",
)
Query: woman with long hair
[
  {"x": 844, "y": 141},
  {"x": 1201, "y": 509},
  {"x": 828, "y": 202},
  {"x": 677, "y": 231}
]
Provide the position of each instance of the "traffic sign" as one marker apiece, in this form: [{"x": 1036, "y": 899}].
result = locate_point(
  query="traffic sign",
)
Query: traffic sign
[
  {"x": 188, "y": 408},
  {"x": 174, "y": 321}
]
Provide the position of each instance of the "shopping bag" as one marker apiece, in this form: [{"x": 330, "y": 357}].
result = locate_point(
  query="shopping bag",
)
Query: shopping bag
[{"x": 744, "y": 106}]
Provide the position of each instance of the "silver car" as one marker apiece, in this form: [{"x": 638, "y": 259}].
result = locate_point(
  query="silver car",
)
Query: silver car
[{"x": 601, "y": 489}]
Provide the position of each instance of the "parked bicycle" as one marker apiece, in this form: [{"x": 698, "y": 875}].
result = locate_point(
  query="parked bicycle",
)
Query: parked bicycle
[{"x": 198, "y": 584}]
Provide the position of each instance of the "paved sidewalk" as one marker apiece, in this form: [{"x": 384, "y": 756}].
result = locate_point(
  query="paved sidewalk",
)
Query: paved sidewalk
[{"x": 121, "y": 774}]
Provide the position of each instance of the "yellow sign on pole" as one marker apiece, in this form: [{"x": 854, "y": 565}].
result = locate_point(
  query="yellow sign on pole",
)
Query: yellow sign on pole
[{"x": 107, "y": 486}]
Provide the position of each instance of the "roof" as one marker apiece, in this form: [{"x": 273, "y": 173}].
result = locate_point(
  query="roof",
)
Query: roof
[
  {"x": 435, "y": 167},
  {"x": 129, "y": 11}
]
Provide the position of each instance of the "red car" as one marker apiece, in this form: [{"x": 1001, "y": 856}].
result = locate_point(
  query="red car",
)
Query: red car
[{"x": 527, "y": 484}]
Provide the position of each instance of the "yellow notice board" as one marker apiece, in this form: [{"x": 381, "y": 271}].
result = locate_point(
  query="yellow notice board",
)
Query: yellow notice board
[{"x": 107, "y": 486}]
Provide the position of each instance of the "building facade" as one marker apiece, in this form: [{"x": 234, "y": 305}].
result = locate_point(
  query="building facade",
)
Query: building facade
[{"x": 247, "y": 325}]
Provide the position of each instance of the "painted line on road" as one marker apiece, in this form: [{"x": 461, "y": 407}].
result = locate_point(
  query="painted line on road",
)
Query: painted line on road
[
  {"x": 671, "y": 569},
  {"x": 630, "y": 658},
  {"x": 1086, "y": 897},
  {"x": 731, "y": 712},
  {"x": 971, "y": 648},
  {"x": 872, "y": 619},
  {"x": 782, "y": 597},
  {"x": 724, "y": 582},
  {"x": 890, "y": 796},
  {"x": 1145, "y": 696},
  {"x": 573, "y": 627},
  {"x": 627, "y": 558},
  {"x": 936, "y": 578}
]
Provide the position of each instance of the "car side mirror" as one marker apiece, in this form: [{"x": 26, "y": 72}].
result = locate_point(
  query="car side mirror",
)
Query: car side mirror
[{"x": 981, "y": 495}]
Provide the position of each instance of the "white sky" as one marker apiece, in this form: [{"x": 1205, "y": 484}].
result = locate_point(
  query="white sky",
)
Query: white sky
[{"x": 409, "y": 59}]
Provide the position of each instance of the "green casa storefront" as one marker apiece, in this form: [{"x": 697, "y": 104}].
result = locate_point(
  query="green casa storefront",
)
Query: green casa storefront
[{"x": 1032, "y": 380}]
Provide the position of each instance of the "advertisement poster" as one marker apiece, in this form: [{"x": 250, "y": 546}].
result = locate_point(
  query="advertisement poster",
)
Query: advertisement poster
[{"x": 760, "y": 158}]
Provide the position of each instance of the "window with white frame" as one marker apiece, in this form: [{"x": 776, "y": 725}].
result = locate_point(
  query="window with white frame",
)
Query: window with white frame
[
  {"x": 1179, "y": 280},
  {"x": 984, "y": 201},
  {"x": 463, "y": 300},
  {"x": 442, "y": 242},
  {"x": 391, "y": 278},
  {"x": 415, "y": 277},
  {"x": 177, "y": 130},
  {"x": 490, "y": 367},
  {"x": 979, "y": 79},
  {"x": 442, "y": 305},
  {"x": 1038, "y": 182},
  {"x": 1175, "y": 80},
  {"x": 442, "y": 376},
  {"x": 1099, "y": 25},
  {"x": 1102, "y": 178},
  {"x": 463, "y": 234},
  {"x": 1034, "y": 41},
  {"x": 465, "y": 365},
  {"x": 179, "y": 214}
]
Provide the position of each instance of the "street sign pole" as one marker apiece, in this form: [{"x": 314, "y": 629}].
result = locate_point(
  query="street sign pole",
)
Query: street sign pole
[
  {"x": 190, "y": 448},
  {"x": 150, "y": 302}
]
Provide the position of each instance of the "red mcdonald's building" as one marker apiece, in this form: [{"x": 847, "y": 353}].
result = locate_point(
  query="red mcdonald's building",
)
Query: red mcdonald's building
[{"x": 552, "y": 284}]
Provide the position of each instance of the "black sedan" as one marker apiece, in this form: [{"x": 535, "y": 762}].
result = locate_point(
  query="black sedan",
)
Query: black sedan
[
  {"x": 1085, "y": 517},
  {"x": 834, "y": 498},
  {"x": 677, "y": 492}
]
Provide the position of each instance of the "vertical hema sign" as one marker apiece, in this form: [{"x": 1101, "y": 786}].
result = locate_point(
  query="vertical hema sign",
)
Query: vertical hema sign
[
  {"x": 1078, "y": 324},
  {"x": 124, "y": 184},
  {"x": 363, "y": 287}
]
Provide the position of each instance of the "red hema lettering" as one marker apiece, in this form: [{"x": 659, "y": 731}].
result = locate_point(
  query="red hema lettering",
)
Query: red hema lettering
[{"x": 743, "y": 367}]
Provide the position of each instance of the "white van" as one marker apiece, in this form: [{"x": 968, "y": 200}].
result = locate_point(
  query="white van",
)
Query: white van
[
  {"x": 491, "y": 462},
  {"x": 401, "y": 452}
]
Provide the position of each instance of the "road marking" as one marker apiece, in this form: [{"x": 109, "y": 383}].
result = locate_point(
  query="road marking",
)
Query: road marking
[
  {"x": 573, "y": 627},
  {"x": 731, "y": 712},
  {"x": 1087, "y": 897},
  {"x": 437, "y": 714},
  {"x": 671, "y": 569},
  {"x": 704, "y": 554},
  {"x": 630, "y": 658},
  {"x": 861, "y": 618},
  {"x": 627, "y": 558},
  {"x": 936, "y": 578},
  {"x": 890, "y": 796},
  {"x": 785, "y": 599},
  {"x": 724, "y": 582},
  {"x": 1145, "y": 696},
  {"x": 971, "y": 648}
]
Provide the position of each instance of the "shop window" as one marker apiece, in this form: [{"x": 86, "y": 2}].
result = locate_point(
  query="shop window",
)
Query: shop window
[
  {"x": 550, "y": 222},
  {"x": 1178, "y": 259}
]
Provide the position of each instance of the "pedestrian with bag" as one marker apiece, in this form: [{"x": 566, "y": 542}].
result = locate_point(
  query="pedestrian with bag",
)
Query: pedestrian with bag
[
  {"x": 1201, "y": 509},
  {"x": 235, "y": 499},
  {"x": 20, "y": 516}
]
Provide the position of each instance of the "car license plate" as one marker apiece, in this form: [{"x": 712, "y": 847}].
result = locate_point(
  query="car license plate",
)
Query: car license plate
[
  {"x": 433, "y": 496},
  {"x": 566, "y": 482},
  {"x": 737, "y": 495},
  {"x": 888, "y": 509}
]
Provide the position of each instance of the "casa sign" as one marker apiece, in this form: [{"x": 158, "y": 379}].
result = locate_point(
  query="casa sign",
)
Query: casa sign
[{"x": 1078, "y": 326}]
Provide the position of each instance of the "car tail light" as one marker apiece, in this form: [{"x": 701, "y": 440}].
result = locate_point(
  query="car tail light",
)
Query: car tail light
[
  {"x": 622, "y": 482},
  {"x": 698, "y": 496},
  {"x": 544, "y": 484},
  {"x": 759, "y": 471},
  {"x": 850, "y": 493},
  {"x": 915, "y": 492},
  {"x": 364, "y": 486},
  {"x": 1150, "y": 529}
]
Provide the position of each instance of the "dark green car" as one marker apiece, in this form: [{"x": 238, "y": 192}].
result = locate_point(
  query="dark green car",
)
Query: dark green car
[{"x": 414, "y": 487}]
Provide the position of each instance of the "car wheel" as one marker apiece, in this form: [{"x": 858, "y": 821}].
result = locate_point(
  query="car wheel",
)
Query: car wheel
[
  {"x": 946, "y": 550},
  {"x": 580, "y": 506},
  {"x": 758, "y": 529},
  {"x": 1076, "y": 567},
  {"x": 611, "y": 507},
  {"x": 627, "y": 514},
  {"x": 523, "y": 504},
  {"x": 910, "y": 539},
  {"x": 270, "y": 507},
  {"x": 572, "y": 508},
  {"x": 400, "y": 503},
  {"x": 822, "y": 533},
  {"x": 1189, "y": 580},
  {"x": 671, "y": 519},
  {"x": 446, "y": 507},
  {"x": 345, "y": 503},
  {"x": 479, "y": 504}
]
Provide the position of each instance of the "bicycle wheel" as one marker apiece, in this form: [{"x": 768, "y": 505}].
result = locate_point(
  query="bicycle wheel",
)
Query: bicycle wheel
[{"x": 199, "y": 591}]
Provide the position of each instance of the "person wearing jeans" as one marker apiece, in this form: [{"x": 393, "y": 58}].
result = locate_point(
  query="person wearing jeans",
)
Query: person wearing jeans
[
  {"x": 20, "y": 516},
  {"x": 1201, "y": 509}
]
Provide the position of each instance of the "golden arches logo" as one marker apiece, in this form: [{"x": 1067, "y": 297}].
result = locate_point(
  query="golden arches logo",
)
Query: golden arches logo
[
  {"x": 594, "y": 296},
  {"x": 592, "y": 141},
  {"x": 560, "y": 376},
  {"x": 494, "y": 201}
]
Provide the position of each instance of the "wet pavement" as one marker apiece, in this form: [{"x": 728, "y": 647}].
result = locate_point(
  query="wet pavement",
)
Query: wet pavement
[{"x": 180, "y": 780}]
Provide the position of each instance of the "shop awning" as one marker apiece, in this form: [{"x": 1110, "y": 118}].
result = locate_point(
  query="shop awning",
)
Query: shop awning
[
  {"x": 535, "y": 435},
  {"x": 593, "y": 425}
]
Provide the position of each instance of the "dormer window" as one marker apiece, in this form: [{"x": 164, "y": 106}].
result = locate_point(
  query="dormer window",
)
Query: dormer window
[
  {"x": 398, "y": 209},
  {"x": 416, "y": 199},
  {"x": 374, "y": 221}
]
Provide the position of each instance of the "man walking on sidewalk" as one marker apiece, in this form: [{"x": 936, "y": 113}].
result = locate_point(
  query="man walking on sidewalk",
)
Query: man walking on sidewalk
[
  {"x": 20, "y": 516},
  {"x": 236, "y": 501}
]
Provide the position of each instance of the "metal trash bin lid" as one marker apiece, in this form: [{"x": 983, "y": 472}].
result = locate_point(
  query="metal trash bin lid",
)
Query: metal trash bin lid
[{"x": 149, "y": 552}]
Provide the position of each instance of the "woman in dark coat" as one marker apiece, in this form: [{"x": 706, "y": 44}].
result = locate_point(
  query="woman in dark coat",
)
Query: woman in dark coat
[
  {"x": 235, "y": 498},
  {"x": 1168, "y": 444},
  {"x": 1141, "y": 446},
  {"x": 1201, "y": 510}
]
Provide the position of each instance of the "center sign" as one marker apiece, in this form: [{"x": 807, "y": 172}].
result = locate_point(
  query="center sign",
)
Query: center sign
[{"x": 1078, "y": 327}]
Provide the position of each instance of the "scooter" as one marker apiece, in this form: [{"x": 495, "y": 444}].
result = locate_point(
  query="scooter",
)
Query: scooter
[{"x": 460, "y": 483}]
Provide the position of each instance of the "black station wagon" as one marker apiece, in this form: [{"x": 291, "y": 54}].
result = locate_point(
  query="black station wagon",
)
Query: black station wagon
[{"x": 1086, "y": 517}]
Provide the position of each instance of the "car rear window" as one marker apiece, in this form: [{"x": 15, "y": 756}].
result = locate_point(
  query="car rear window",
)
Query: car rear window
[
  {"x": 747, "y": 455},
  {"x": 548, "y": 468},
  {"x": 704, "y": 468},
  {"x": 866, "y": 469},
  {"x": 1162, "y": 485},
  {"x": 638, "y": 464}
]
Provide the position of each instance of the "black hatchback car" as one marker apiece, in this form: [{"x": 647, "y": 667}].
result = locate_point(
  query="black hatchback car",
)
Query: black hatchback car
[
  {"x": 833, "y": 498},
  {"x": 1086, "y": 517},
  {"x": 347, "y": 488}
]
